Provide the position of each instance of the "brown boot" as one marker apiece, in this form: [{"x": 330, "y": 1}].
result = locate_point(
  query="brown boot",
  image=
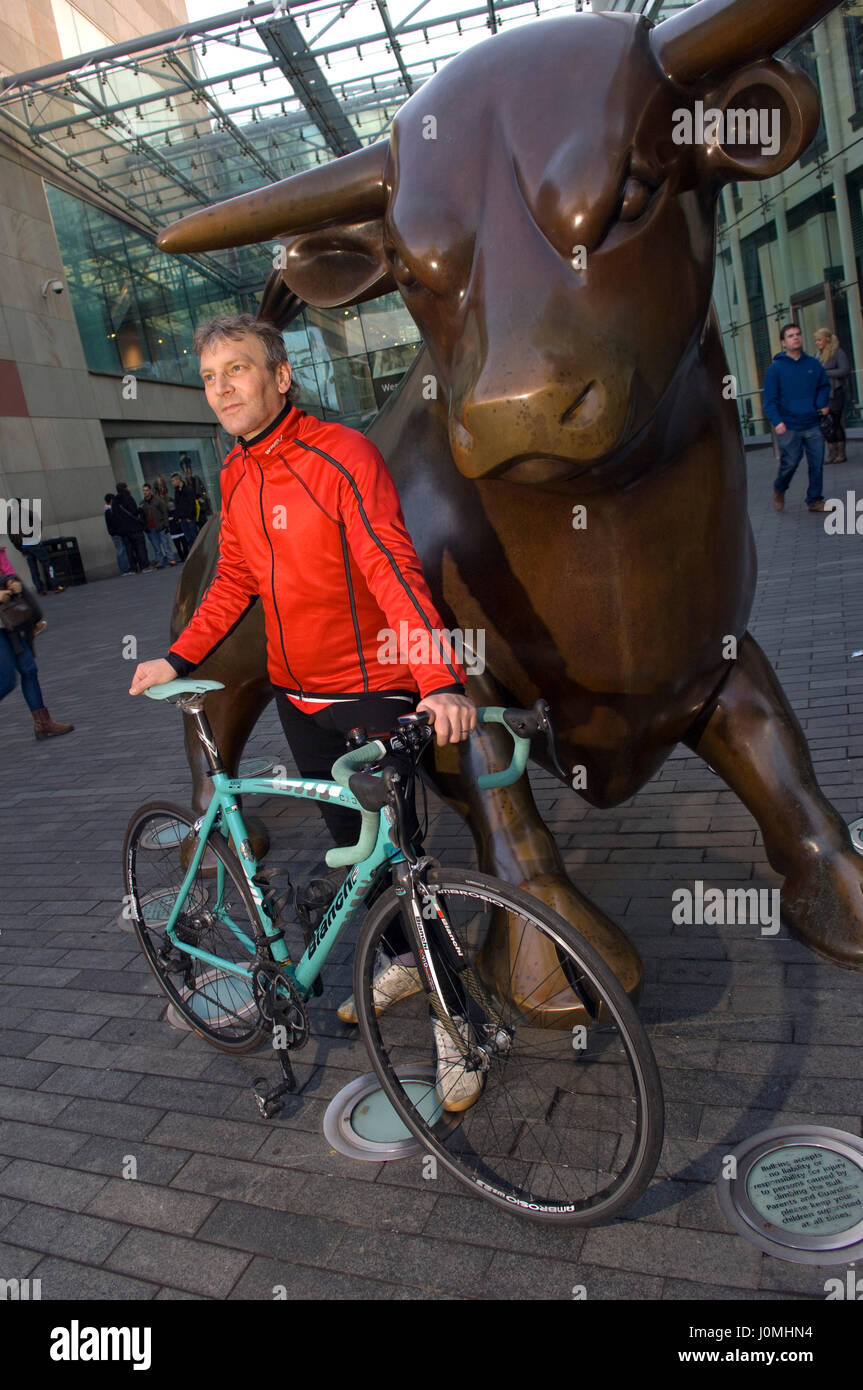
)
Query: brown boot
[
  {"x": 45, "y": 726},
  {"x": 830, "y": 454}
]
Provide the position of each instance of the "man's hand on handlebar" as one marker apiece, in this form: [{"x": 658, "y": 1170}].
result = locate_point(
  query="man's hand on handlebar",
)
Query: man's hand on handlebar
[
  {"x": 454, "y": 716},
  {"x": 151, "y": 673}
]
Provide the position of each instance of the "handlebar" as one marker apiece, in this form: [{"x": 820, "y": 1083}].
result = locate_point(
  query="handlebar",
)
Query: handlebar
[{"x": 523, "y": 725}]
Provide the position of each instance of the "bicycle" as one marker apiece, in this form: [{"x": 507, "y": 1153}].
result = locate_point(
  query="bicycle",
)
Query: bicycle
[{"x": 549, "y": 1104}]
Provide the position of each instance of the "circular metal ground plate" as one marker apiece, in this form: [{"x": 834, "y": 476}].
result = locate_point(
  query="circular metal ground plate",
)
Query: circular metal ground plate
[
  {"x": 855, "y": 830},
  {"x": 361, "y": 1123},
  {"x": 798, "y": 1194}
]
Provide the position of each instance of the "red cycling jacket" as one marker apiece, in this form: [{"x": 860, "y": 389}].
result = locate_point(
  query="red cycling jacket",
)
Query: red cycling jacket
[{"x": 311, "y": 523}]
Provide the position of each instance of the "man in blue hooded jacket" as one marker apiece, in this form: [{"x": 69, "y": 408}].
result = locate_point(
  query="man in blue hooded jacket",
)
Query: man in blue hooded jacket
[{"x": 796, "y": 391}]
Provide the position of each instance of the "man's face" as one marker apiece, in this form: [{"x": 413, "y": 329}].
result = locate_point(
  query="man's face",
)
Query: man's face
[
  {"x": 793, "y": 340},
  {"x": 242, "y": 390},
  {"x": 147, "y": 493}
]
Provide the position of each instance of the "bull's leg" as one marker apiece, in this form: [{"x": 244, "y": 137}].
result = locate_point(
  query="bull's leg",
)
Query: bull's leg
[
  {"x": 514, "y": 844},
  {"x": 753, "y": 740}
]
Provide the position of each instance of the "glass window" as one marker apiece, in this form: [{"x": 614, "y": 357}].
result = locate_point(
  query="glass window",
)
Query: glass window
[
  {"x": 136, "y": 308},
  {"x": 334, "y": 333}
]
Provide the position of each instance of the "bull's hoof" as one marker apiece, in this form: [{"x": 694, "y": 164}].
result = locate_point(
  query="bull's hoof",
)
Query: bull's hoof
[
  {"x": 822, "y": 905},
  {"x": 524, "y": 966}
]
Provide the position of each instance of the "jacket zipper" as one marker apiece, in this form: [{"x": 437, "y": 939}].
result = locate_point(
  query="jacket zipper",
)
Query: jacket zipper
[{"x": 248, "y": 455}]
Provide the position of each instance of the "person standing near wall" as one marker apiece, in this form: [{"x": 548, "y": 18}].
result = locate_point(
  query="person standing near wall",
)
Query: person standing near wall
[
  {"x": 836, "y": 365},
  {"x": 119, "y": 543}
]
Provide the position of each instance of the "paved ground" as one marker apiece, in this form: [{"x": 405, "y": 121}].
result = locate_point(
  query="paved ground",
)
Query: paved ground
[{"x": 750, "y": 1031}]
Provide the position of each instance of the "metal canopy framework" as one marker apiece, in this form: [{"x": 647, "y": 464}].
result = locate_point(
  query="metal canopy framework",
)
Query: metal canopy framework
[{"x": 176, "y": 121}]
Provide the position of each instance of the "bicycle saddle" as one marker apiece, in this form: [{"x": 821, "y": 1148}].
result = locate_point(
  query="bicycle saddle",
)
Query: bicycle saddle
[{"x": 172, "y": 689}]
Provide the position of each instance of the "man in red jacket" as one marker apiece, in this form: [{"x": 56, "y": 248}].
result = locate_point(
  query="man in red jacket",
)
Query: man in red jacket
[{"x": 311, "y": 525}]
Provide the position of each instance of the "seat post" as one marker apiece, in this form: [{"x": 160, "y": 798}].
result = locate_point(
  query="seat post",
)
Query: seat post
[{"x": 193, "y": 705}]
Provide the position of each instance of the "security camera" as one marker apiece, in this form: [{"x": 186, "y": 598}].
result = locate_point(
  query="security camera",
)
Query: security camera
[{"x": 56, "y": 286}]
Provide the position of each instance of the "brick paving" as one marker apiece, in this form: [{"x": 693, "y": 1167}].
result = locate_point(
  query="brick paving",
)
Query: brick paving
[{"x": 749, "y": 1031}]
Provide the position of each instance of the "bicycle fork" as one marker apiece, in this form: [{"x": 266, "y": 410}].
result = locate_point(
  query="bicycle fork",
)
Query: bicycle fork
[{"x": 428, "y": 929}]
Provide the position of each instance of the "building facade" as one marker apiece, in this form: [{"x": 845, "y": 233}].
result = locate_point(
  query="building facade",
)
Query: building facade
[{"x": 97, "y": 379}]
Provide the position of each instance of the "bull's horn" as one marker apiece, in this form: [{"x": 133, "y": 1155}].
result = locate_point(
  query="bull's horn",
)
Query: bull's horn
[
  {"x": 349, "y": 189},
  {"x": 718, "y": 35}
]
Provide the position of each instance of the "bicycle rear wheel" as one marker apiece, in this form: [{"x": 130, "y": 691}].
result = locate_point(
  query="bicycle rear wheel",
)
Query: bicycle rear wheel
[
  {"x": 218, "y": 916},
  {"x": 561, "y": 1121}
]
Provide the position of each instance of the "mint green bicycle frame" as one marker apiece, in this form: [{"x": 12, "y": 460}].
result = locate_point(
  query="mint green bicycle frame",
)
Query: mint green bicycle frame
[
  {"x": 374, "y": 851},
  {"x": 225, "y": 791}
]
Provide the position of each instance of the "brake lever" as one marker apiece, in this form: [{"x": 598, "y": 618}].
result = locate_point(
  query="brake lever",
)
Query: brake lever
[{"x": 541, "y": 708}]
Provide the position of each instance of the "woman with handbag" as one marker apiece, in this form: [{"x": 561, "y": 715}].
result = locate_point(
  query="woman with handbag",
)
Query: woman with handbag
[
  {"x": 836, "y": 365},
  {"x": 18, "y": 617}
]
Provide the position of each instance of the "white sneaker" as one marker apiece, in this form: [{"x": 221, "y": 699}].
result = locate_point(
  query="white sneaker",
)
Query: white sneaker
[
  {"x": 391, "y": 984},
  {"x": 457, "y": 1088}
]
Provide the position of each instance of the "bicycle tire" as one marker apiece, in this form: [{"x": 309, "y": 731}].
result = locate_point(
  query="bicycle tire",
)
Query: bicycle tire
[
  {"x": 219, "y": 1006},
  {"x": 560, "y": 1134}
]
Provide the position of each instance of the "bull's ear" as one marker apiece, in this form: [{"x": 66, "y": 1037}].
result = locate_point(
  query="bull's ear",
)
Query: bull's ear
[
  {"x": 339, "y": 265},
  {"x": 770, "y": 114}
]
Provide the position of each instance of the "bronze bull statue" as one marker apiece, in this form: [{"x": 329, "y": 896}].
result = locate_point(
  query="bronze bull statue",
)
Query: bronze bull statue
[{"x": 570, "y": 467}]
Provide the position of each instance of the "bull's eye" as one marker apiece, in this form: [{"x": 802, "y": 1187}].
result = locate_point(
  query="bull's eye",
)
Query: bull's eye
[{"x": 636, "y": 196}]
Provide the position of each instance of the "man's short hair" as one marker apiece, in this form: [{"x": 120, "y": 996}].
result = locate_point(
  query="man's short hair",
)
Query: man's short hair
[
  {"x": 785, "y": 328},
  {"x": 236, "y": 326}
]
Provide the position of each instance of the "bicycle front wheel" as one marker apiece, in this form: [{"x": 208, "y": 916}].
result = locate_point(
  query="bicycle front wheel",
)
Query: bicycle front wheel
[
  {"x": 218, "y": 916},
  {"x": 553, "y": 1114}
]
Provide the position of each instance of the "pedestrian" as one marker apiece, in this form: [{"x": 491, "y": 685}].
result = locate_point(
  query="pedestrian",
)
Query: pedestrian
[
  {"x": 28, "y": 540},
  {"x": 119, "y": 543},
  {"x": 154, "y": 514},
  {"x": 796, "y": 393},
  {"x": 18, "y": 620},
  {"x": 203, "y": 510},
  {"x": 184, "y": 508},
  {"x": 128, "y": 524},
  {"x": 345, "y": 565},
  {"x": 836, "y": 365}
]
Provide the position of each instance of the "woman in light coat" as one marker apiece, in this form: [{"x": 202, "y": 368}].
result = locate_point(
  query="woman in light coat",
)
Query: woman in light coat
[{"x": 835, "y": 363}]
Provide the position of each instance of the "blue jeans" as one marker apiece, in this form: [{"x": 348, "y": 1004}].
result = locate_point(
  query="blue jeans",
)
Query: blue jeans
[
  {"x": 37, "y": 555},
  {"x": 23, "y": 663},
  {"x": 792, "y": 445},
  {"x": 122, "y": 557},
  {"x": 161, "y": 543}
]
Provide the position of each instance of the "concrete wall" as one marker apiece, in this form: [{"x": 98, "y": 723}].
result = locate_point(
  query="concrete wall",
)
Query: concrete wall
[{"x": 51, "y": 441}]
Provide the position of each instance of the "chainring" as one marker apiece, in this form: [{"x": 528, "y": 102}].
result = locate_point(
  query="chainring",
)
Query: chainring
[{"x": 280, "y": 1003}]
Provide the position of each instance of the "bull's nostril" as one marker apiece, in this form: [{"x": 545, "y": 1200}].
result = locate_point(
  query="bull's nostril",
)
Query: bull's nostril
[{"x": 570, "y": 411}]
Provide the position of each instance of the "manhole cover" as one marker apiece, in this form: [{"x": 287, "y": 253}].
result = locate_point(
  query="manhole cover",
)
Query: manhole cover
[
  {"x": 798, "y": 1194},
  {"x": 361, "y": 1123},
  {"x": 855, "y": 830}
]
